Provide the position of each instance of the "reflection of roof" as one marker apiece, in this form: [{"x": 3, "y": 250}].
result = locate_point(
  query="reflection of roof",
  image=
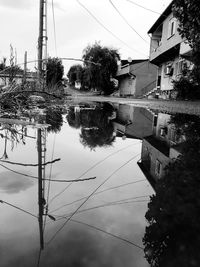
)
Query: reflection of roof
[
  {"x": 147, "y": 174},
  {"x": 162, "y": 17},
  {"x": 158, "y": 144}
]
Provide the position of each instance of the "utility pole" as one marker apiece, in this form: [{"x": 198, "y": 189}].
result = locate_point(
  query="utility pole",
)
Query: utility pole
[
  {"x": 42, "y": 41},
  {"x": 42, "y": 59}
]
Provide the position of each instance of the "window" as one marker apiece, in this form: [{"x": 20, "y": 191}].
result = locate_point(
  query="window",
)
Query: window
[
  {"x": 172, "y": 27},
  {"x": 158, "y": 168}
]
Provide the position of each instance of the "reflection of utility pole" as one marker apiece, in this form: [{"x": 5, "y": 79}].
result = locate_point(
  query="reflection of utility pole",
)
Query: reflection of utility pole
[
  {"x": 40, "y": 188},
  {"x": 42, "y": 41},
  {"x": 41, "y": 145}
]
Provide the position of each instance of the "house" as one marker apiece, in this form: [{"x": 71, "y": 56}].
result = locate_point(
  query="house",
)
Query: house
[
  {"x": 18, "y": 78},
  {"x": 132, "y": 122},
  {"x": 160, "y": 148},
  {"x": 136, "y": 78},
  {"x": 169, "y": 51}
]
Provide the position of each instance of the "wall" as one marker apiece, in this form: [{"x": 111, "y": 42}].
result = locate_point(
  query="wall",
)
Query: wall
[
  {"x": 154, "y": 155},
  {"x": 166, "y": 42},
  {"x": 146, "y": 77}
]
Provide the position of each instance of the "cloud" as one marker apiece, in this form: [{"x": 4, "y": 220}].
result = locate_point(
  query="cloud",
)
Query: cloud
[
  {"x": 19, "y": 4},
  {"x": 76, "y": 246},
  {"x": 12, "y": 183}
]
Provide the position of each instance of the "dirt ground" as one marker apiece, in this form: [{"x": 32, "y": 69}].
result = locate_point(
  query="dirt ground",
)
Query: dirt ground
[{"x": 170, "y": 106}]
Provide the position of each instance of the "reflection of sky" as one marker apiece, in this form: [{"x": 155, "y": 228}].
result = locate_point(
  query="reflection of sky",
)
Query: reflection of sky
[{"x": 76, "y": 244}]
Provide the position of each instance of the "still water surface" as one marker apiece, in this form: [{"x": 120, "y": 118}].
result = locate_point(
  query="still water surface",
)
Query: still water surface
[{"x": 100, "y": 144}]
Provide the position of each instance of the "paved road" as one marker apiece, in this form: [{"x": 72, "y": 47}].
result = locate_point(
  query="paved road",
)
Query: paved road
[{"x": 188, "y": 107}]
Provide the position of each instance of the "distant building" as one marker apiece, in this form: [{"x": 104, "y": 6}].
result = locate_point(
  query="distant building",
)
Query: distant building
[
  {"x": 18, "y": 78},
  {"x": 136, "y": 78},
  {"x": 168, "y": 51},
  {"x": 132, "y": 122}
]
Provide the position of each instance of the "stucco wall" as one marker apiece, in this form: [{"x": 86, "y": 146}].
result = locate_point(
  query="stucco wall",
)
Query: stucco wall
[
  {"x": 166, "y": 42},
  {"x": 154, "y": 155},
  {"x": 145, "y": 77}
]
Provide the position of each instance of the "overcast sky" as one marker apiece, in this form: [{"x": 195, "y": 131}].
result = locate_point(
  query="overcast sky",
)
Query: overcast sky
[{"x": 76, "y": 28}]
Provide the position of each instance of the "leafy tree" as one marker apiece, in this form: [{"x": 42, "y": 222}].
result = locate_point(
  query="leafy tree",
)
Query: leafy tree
[
  {"x": 55, "y": 71},
  {"x": 173, "y": 235},
  {"x": 99, "y": 75},
  {"x": 188, "y": 12},
  {"x": 75, "y": 73}
]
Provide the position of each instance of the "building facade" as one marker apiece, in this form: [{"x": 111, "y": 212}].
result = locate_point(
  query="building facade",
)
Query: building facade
[
  {"x": 168, "y": 51},
  {"x": 136, "y": 78}
]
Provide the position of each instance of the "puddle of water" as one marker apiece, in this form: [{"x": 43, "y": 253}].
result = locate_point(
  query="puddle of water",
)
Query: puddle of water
[{"x": 116, "y": 151}]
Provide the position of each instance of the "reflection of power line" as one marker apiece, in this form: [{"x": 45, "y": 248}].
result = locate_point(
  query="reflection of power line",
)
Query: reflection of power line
[
  {"x": 127, "y": 21},
  {"x": 89, "y": 169},
  {"x": 108, "y": 233},
  {"x": 50, "y": 180},
  {"x": 99, "y": 192},
  {"x": 117, "y": 202},
  {"x": 51, "y": 239},
  {"x": 102, "y": 25},
  {"x": 25, "y": 211},
  {"x": 29, "y": 164}
]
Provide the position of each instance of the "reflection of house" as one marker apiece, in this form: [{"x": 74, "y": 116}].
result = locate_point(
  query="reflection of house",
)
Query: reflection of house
[
  {"x": 136, "y": 78},
  {"x": 159, "y": 149},
  {"x": 133, "y": 121},
  {"x": 168, "y": 51}
]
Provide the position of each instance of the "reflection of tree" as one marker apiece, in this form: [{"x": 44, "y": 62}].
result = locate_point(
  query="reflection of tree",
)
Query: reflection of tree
[
  {"x": 54, "y": 118},
  {"x": 73, "y": 118},
  {"x": 96, "y": 127},
  {"x": 173, "y": 235},
  {"x": 97, "y": 137},
  {"x": 11, "y": 133}
]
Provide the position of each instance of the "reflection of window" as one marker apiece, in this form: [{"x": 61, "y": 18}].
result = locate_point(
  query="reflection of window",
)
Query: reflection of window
[
  {"x": 168, "y": 70},
  {"x": 158, "y": 168},
  {"x": 171, "y": 29}
]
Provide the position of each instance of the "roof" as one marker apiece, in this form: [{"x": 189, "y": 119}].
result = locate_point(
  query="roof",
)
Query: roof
[
  {"x": 135, "y": 61},
  {"x": 162, "y": 17}
]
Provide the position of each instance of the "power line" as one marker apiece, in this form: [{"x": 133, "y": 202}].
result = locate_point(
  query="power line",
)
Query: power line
[
  {"x": 102, "y": 25},
  {"x": 148, "y": 9},
  {"x": 99, "y": 192},
  {"x": 127, "y": 22},
  {"x": 54, "y": 25},
  {"x": 90, "y": 196},
  {"x": 89, "y": 169}
]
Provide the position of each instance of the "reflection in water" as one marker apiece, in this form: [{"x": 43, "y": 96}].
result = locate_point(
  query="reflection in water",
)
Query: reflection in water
[
  {"x": 95, "y": 123},
  {"x": 108, "y": 230},
  {"x": 172, "y": 237},
  {"x": 54, "y": 118}
]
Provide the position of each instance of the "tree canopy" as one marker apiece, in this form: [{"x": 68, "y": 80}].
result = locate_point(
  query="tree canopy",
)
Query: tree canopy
[
  {"x": 98, "y": 76},
  {"x": 55, "y": 71},
  {"x": 75, "y": 73}
]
